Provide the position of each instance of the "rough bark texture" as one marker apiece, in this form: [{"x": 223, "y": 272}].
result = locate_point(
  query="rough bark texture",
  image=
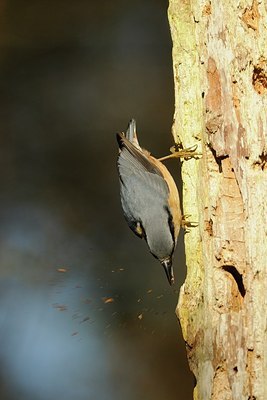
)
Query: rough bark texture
[{"x": 220, "y": 73}]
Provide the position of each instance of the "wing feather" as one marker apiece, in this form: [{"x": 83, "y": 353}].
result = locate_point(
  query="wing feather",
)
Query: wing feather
[{"x": 129, "y": 152}]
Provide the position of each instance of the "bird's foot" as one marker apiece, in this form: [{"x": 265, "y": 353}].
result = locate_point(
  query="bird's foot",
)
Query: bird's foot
[
  {"x": 186, "y": 225},
  {"x": 189, "y": 152}
]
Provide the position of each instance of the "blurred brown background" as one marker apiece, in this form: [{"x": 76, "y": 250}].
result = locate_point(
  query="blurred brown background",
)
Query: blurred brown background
[{"x": 72, "y": 74}]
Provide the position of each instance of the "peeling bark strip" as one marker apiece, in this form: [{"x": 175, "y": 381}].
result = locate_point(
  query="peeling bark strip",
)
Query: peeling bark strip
[
  {"x": 251, "y": 16},
  {"x": 220, "y": 77}
]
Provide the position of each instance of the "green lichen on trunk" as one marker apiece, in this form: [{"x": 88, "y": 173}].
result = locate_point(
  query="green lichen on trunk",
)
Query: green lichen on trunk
[
  {"x": 187, "y": 129},
  {"x": 220, "y": 79}
]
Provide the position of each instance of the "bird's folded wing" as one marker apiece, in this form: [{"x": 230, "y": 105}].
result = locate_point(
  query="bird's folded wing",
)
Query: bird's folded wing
[{"x": 135, "y": 156}]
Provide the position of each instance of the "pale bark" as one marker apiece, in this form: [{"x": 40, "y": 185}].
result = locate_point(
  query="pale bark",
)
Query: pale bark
[{"x": 220, "y": 74}]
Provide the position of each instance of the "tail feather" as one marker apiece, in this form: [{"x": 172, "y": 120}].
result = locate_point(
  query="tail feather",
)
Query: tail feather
[
  {"x": 131, "y": 130},
  {"x": 131, "y": 134}
]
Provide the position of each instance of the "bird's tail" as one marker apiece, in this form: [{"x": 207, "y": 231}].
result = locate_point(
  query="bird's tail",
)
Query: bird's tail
[{"x": 131, "y": 134}]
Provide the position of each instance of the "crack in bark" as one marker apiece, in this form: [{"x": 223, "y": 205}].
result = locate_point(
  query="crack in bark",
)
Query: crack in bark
[{"x": 217, "y": 158}]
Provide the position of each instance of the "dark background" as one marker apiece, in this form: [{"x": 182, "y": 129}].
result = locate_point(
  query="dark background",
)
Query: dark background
[{"x": 72, "y": 73}]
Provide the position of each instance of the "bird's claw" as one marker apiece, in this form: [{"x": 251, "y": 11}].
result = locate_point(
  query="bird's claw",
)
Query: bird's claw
[
  {"x": 178, "y": 147},
  {"x": 189, "y": 152},
  {"x": 188, "y": 224}
]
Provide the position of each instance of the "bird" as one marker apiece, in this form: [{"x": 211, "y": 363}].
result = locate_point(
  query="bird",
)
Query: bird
[{"x": 149, "y": 197}]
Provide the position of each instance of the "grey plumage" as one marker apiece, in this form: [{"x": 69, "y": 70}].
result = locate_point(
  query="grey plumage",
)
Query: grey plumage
[{"x": 144, "y": 197}]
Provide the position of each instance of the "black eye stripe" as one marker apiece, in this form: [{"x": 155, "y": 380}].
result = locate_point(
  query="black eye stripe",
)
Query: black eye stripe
[
  {"x": 133, "y": 224},
  {"x": 143, "y": 229},
  {"x": 171, "y": 225}
]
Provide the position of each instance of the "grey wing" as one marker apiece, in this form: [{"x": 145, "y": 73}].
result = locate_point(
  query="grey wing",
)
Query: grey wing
[
  {"x": 144, "y": 194},
  {"x": 138, "y": 156}
]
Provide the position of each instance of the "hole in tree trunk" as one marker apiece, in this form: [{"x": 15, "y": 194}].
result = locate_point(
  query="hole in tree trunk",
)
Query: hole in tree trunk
[{"x": 237, "y": 277}]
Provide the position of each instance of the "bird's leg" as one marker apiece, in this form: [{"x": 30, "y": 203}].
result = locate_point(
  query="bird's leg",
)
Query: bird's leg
[
  {"x": 185, "y": 224},
  {"x": 189, "y": 152}
]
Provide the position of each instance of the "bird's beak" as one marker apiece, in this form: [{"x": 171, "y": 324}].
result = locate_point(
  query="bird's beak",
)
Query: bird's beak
[{"x": 167, "y": 264}]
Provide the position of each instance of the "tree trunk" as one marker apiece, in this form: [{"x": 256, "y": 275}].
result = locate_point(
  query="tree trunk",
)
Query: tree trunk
[{"x": 220, "y": 74}]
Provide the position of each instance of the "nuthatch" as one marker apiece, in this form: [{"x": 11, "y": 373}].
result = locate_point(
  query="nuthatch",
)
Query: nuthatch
[{"x": 149, "y": 198}]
